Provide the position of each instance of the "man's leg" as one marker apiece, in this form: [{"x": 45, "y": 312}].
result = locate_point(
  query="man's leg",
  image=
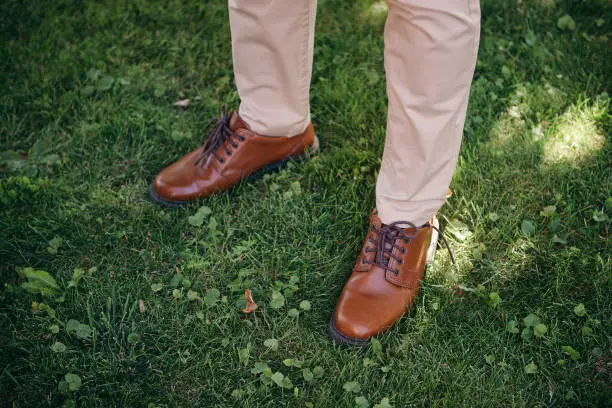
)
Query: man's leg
[
  {"x": 272, "y": 43},
  {"x": 430, "y": 53}
]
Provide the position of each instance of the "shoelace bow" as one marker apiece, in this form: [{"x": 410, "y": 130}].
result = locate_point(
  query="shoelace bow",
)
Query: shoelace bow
[
  {"x": 220, "y": 135},
  {"x": 388, "y": 235}
]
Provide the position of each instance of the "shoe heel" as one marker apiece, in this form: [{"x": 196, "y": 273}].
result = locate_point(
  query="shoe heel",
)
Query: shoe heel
[{"x": 433, "y": 244}]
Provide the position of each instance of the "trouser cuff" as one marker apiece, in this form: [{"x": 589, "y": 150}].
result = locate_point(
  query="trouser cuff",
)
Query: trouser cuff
[{"x": 420, "y": 212}]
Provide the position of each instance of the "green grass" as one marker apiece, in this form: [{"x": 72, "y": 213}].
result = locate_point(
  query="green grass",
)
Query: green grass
[{"x": 87, "y": 118}]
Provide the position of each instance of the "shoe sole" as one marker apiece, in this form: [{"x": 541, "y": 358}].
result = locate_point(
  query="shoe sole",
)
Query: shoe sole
[
  {"x": 343, "y": 339},
  {"x": 274, "y": 166},
  {"x": 340, "y": 338}
]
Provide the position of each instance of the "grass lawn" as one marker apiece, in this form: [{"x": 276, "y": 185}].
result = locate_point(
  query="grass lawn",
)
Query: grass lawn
[{"x": 141, "y": 307}]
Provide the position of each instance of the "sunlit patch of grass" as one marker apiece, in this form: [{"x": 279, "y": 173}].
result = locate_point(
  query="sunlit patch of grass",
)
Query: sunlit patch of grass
[
  {"x": 576, "y": 137},
  {"x": 518, "y": 256},
  {"x": 376, "y": 13},
  {"x": 508, "y": 133},
  {"x": 547, "y": 4},
  {"x": 461, "y": 241}
]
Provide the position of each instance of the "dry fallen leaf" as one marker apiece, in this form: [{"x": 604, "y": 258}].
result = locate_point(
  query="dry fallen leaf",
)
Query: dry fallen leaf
[
  {"x": 141, "y": 306},
  {"x": 182, "y": 103},
  {"x": 250, "y": 303}
]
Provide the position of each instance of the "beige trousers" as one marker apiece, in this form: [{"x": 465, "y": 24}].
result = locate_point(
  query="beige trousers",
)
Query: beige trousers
[{"x": 430, "y": 54}]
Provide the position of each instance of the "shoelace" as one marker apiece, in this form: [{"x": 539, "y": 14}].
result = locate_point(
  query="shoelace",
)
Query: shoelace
[
  {"x": 220, "y": 135},
  {"x": 388, "y": 235}
]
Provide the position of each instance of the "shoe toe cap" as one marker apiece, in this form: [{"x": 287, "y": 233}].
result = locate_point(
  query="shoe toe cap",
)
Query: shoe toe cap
[
  {"x": 163, "y": 186},
  {"x": 352, "y": 329},
  {"x": 171, "y": 188},
  {"x": 354, "y": 321}
]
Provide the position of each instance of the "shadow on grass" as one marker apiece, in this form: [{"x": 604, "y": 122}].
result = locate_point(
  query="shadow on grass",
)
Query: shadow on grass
[{"x": 531, "y": 100}]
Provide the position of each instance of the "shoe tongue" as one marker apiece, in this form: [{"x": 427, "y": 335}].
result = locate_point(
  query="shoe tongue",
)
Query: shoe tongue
[
  {"x": 236, "y": 122},
  {"x": 395, "y": 231}
]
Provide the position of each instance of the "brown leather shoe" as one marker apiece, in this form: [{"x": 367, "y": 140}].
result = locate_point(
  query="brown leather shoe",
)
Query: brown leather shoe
[
  {"x": 231, "y": 153},
  {"x": 385, "y": 281}
]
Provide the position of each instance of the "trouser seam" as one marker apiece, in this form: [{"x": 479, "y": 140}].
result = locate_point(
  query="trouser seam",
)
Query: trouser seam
[{"x": 304, "y": 49}]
